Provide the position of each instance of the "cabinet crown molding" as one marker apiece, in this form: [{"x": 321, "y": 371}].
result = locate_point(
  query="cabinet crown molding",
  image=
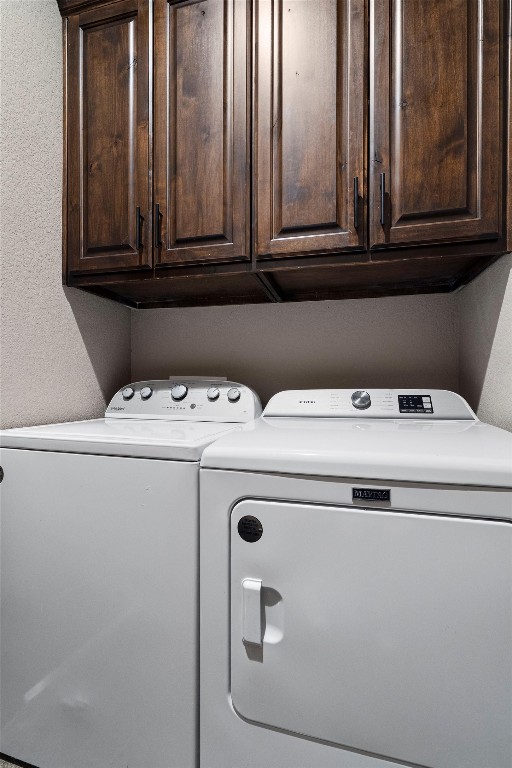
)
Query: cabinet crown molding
[{"x": 67, "y": 7}]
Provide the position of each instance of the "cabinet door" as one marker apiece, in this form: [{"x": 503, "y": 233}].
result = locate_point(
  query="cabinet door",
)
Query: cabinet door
[
  {"x": 435, "y": 103},
  {"x": 310, "y": 103},
  {"x": 201, "y": 131},
  {"x": 108, "y": 171}
]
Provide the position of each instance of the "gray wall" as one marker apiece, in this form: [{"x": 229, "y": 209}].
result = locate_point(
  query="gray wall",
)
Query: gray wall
[
  {"x": 485, "y": 344},
  {"x": 457, "y": 341},
  {"x": 62, "y": 352},
  {"x": 405, "y": 341}
]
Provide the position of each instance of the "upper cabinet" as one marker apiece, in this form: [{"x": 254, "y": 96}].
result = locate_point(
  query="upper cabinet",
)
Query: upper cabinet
[
  {"x": 435, "y": 121},
  {"x": 201, "y": 131},
  {"x": 260, "y": 150},
  {"x": 108, "y": 159},
  {"x": 309, "y": 120}
]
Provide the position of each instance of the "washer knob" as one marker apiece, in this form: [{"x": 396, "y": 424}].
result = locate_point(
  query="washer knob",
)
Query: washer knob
[
  {"x": 179, "y": 392},
  {"x": 213, "y": 394},
  {"x": 233, "y": 395},
  {"x": 128, "y": 393},
  {"x": 361, "y": 400},
  {"x": 146, "y": 393}
]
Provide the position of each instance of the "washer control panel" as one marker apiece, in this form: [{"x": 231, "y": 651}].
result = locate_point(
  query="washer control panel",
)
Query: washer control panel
[
  {"x": 186, "y": 400},
  {"x": 370, "y": 404}
]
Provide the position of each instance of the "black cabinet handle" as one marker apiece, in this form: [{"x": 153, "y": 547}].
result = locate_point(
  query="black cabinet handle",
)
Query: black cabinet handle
[
  {"x": 382, "y": 198},
  {"x": 158, "y": 228},
  {"x": 138, "y": 229},
  {"x": 356, "y": 202}
]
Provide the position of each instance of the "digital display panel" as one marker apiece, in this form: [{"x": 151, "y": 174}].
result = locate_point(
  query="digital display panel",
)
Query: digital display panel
[{"x": 415, "y": 404}]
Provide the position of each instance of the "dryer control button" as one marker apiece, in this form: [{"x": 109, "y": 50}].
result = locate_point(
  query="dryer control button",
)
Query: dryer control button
[
  {"x": 146, "y": 393},
  {"x": 213, "y": 394},
  {"x": 361, "y": 400},
  {"x": 128, "y": 393},
  {"x": 179, "y": 392},
  {"x": 233, "y": 395}
]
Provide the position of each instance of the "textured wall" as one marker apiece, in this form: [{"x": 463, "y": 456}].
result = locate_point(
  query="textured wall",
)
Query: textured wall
[
  {"x": 62, "y": 353},
  {"x": 485, "y": 345},
  {"x": 404, "y": 341}
]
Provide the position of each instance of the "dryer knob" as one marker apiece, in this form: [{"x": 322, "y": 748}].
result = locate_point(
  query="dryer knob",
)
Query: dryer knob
[
  {"x": 179, "y": 392},
  {"x": 146, "y": 393},
  {"x": 213, "y": 394},
  {"x": 361, "y": 400},
  {"x": 233, "y": 395},
  {"x": 128, "y": 393}
]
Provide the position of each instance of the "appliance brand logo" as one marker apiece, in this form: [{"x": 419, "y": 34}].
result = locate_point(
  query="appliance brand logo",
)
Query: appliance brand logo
[
  {"x": 371, "y": 494},
  {"x": 117, "y": 408}
]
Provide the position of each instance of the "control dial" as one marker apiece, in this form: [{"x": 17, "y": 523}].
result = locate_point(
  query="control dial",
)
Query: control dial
[
  {"x": 361, "y": 400},
  {"x": 213, "y": 394},
  {"x": 179, "y": 392},
  {"x": 233, "y": 395},
  {"x": 146, "y": 393},
  {"x": 128, "y": 393}
]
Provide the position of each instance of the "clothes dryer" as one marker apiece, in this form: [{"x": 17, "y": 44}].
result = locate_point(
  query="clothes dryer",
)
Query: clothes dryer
[
  {"x": 356, "y": 585},
  {"x": 99, "y": 578}
]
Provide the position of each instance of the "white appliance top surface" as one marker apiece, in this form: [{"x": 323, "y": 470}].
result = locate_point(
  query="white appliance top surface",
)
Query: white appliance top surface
[
  {"x": 169, "y": 419},
  {"x": 117, "y": 437},
  {"x": 427, "y": 450}
]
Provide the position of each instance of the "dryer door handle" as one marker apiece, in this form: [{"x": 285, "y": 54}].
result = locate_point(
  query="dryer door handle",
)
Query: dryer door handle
[{"x": 252, "y": 623}]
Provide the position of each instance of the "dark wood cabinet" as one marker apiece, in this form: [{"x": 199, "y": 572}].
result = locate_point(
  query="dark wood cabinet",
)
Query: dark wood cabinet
[
  {"x": 435, "y": 121},
  {"x": 227, "y": 151},
  {"x": 201, "y": 131},
  {"x": 108, "y": 158},
  {"x": 309, "y": 120}
]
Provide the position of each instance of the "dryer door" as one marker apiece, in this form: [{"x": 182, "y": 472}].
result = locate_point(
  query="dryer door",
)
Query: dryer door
[{"x": 375, "y": 630}]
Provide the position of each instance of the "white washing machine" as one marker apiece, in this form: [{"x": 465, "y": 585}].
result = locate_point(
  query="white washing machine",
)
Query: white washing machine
[
  {"x": 356, "y": 585},
  {"x": 99, "y": 578}
]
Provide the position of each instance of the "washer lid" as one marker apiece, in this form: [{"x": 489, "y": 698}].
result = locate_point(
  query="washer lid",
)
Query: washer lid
[
  {"x": 454, "y": 452},
  {"x": 153, "y": 439}
]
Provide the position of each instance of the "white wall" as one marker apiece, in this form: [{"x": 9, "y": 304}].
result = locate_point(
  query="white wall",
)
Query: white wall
[
  {"x": 404, "y": 341},
  {"x": 485, "y": 345},
  {"x": 62, "y": 352}
]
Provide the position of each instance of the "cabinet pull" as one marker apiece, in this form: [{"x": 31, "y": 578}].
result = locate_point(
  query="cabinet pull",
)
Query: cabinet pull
[
  {"x": 138, "y": 229},
  {"x": 158, "y": 229},
  {"x": 382, "y": 198},
  {"x": 356, "y": 202}
]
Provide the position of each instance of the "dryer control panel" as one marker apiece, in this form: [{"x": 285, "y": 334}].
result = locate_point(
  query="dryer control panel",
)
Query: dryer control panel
[
  {"x": 416, "y": 404},
  {"x": 186, "y": 399}
]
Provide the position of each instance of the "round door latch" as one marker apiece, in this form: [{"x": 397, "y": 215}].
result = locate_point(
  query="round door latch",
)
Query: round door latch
[
  {"x": 1, "y": 474},
  {"x": 250, "y": 528}
]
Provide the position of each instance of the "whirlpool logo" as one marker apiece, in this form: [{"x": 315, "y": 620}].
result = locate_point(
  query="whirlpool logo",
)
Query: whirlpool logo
[{"x": 371, "y": 494}]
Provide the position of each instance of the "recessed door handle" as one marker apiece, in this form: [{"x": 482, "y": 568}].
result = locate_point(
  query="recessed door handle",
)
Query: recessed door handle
[{"x": 251, "y": 622}]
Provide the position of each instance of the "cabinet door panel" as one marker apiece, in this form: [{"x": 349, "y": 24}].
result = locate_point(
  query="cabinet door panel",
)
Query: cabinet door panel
[
  {"x": 201, "y": 130},
  {"x": 435, "y": 120},
  {"x": 108, "y": 118},
  {"x": 309, "y": 125}
]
